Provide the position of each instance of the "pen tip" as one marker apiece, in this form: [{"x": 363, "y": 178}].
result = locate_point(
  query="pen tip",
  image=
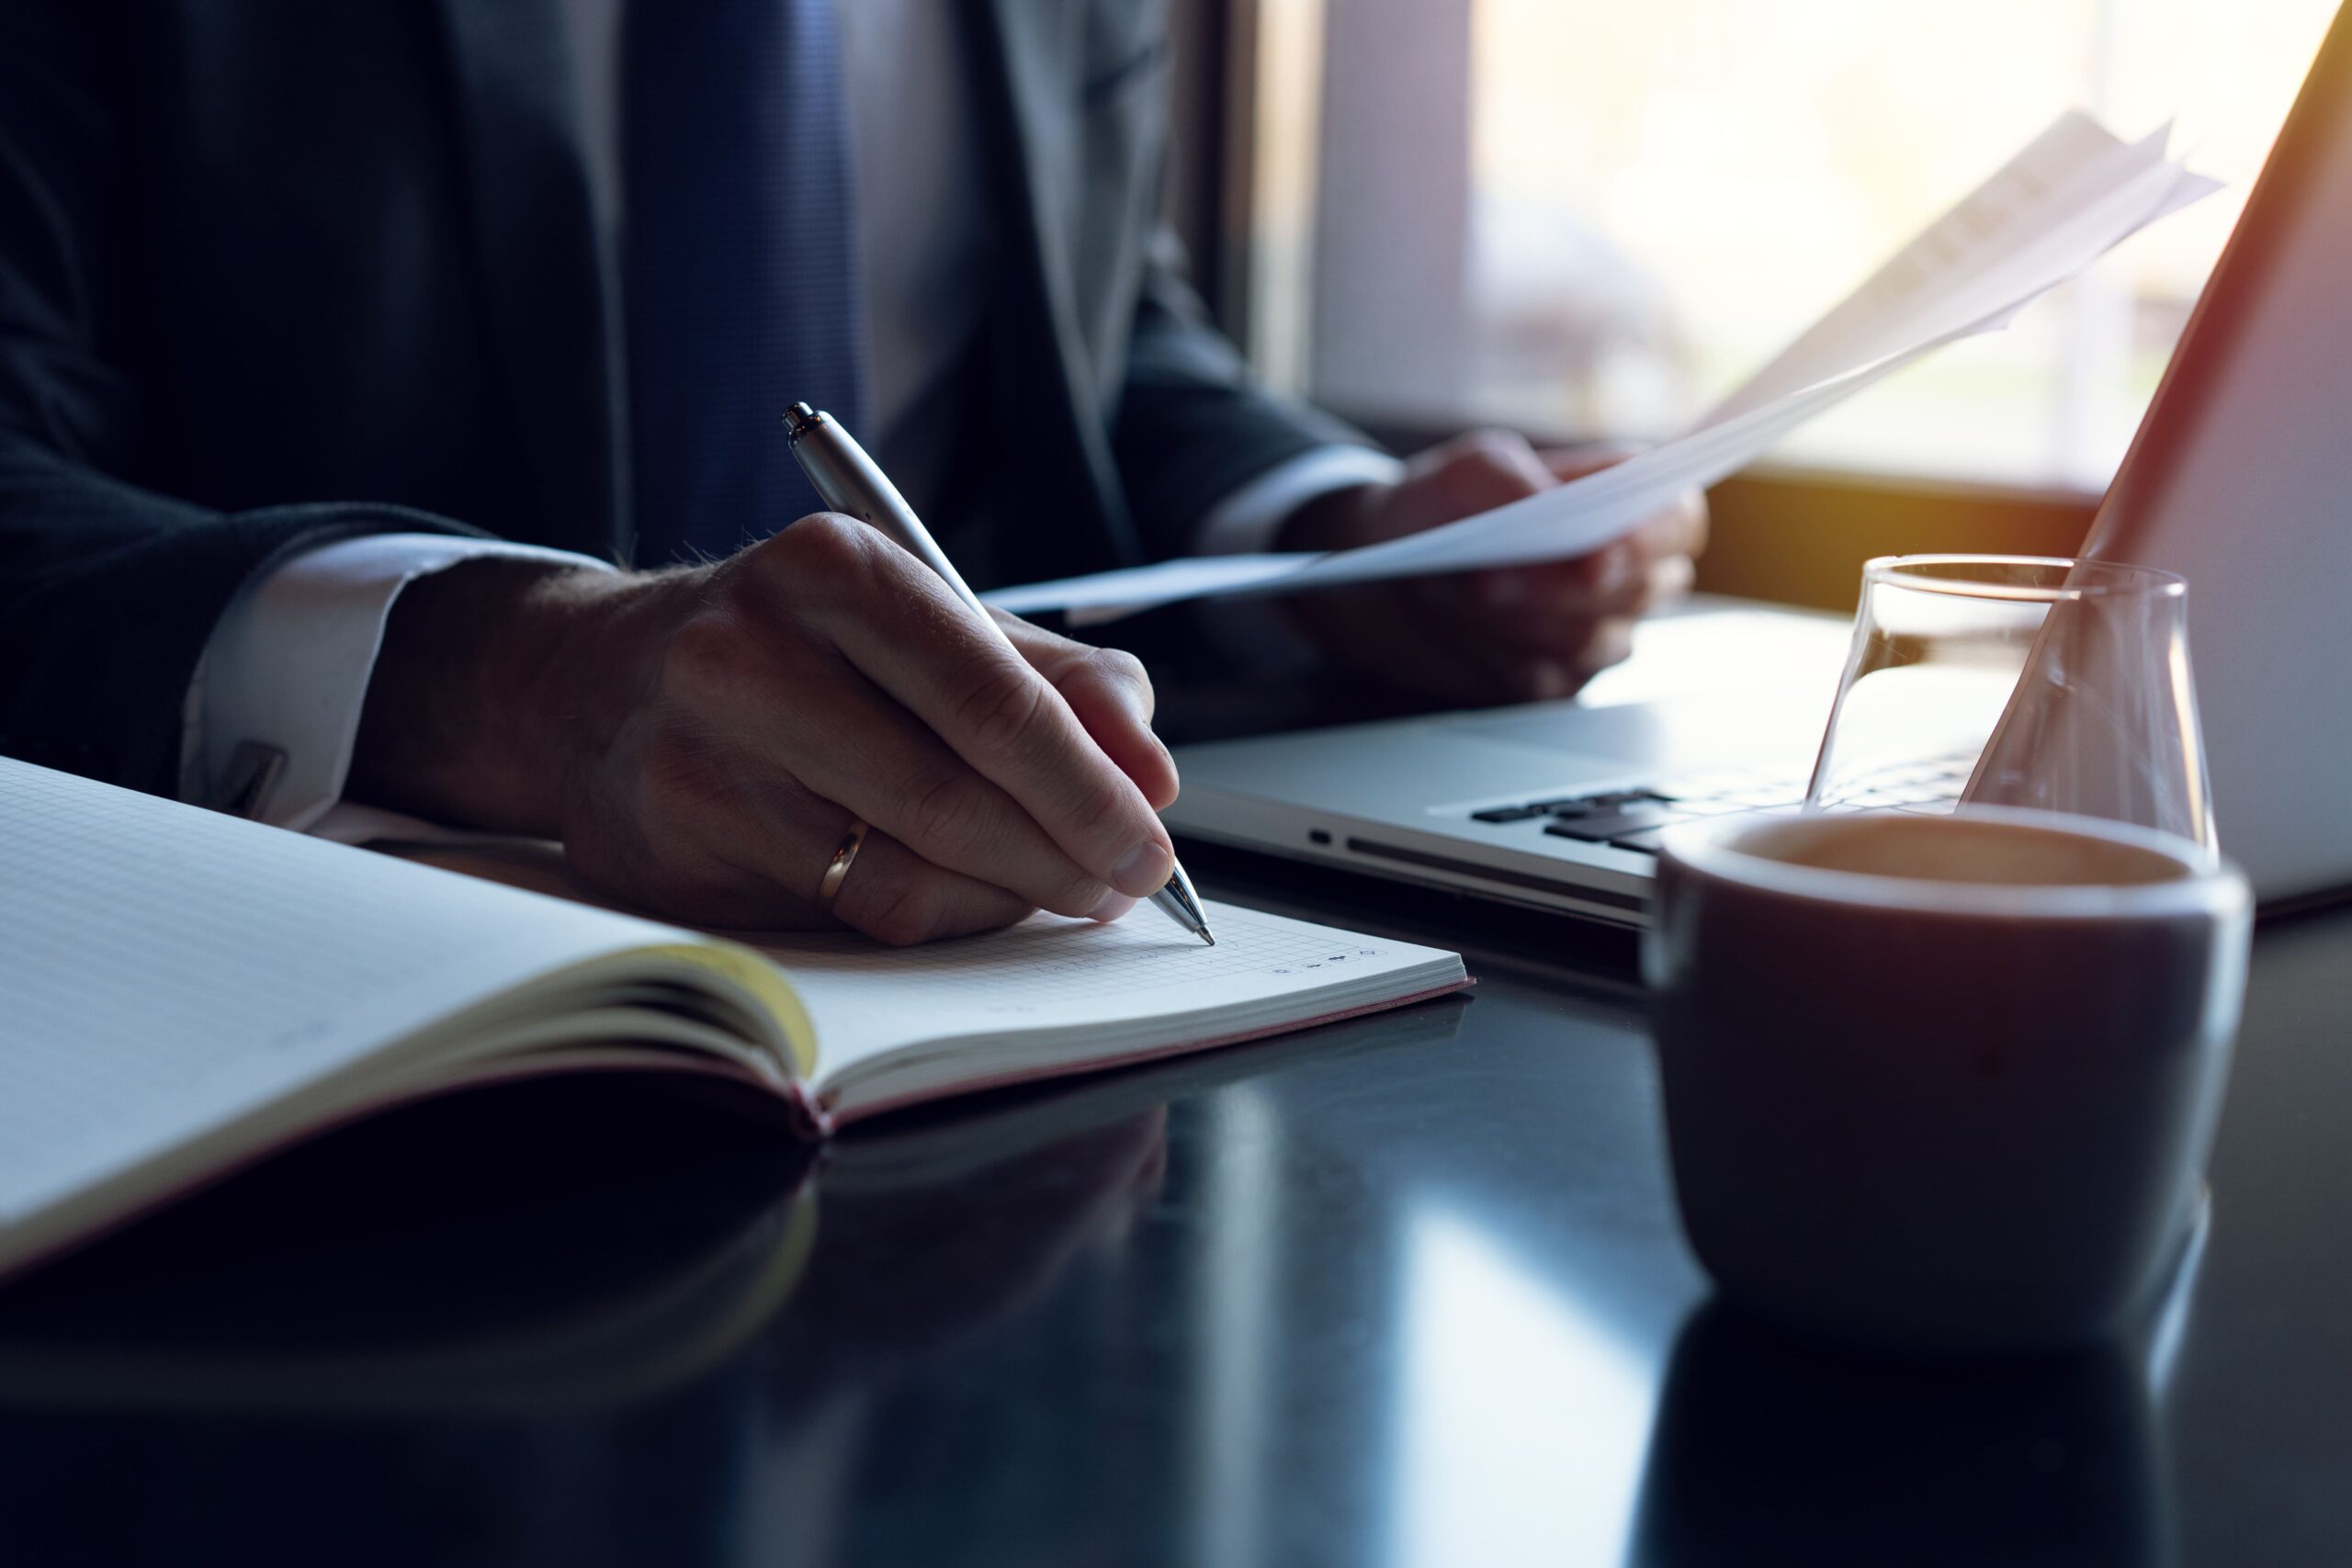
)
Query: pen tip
[
  {"x": 1176, "y": 900},
  {"x": 798, "y": 418}
]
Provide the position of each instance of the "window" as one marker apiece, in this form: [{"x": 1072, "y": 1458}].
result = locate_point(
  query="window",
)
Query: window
[{"x": 1588, "y": 218}]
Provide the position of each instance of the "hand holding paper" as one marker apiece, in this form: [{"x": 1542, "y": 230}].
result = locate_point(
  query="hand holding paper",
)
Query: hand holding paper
[{"x": 2072, "y": 195}]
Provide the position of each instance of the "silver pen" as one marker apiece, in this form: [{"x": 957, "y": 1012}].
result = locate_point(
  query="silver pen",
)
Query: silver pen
[{"x": 849, "y": 481}]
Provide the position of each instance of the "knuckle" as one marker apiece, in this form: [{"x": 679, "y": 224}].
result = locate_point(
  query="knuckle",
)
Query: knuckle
[
  {"x": 1493, "y": 446},
  {"x": 1000, "y": 709},
  {"x": 677, "y": 781},
  {"x": 1489, "y": 468},
  {"x": 910, "y": 913},
  {"x": 1093, "y": 812},
  {"x": 945, "y": 814},
  {"x": 1118, "y": 665},
  {"x": 706, "y": 653},
  {"x": 1511, "y": 463},
  {"x": 823, "y": 550},
  {"x": 1079, "y": 894}
]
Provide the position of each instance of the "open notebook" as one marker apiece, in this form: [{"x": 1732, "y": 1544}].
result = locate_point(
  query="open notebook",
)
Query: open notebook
[{"x": 181, "y": 991}]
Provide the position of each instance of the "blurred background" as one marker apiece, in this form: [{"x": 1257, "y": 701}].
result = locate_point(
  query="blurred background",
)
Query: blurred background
[{"x": 1587, "y": 221}]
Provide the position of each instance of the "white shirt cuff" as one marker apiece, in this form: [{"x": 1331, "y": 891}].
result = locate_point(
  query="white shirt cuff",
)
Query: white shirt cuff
[
  {"x": 1259, "y": 633},
  {"x": 1245, "y": 521},
  {"x": 289, "y": 664}
]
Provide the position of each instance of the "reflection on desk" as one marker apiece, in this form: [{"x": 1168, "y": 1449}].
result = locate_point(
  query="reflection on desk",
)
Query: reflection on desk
[
  {"x": 1400, "y": 1291},
  {"x": 1772, "y": 1449}
]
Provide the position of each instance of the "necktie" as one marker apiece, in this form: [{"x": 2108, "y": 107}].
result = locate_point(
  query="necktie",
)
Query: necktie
[{"x": 738, "y": 263}]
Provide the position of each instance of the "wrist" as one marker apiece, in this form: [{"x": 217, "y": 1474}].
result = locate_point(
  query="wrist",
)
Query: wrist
[{"x": 480, "y": 700}]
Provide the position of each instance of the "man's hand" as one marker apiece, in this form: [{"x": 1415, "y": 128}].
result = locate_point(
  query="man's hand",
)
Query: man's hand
[
  {"x": 1517, "y": 635},
  {"x": 699, "y": 739}
]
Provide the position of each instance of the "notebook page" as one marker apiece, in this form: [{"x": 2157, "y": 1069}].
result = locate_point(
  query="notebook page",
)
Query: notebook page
[
  {"x": 1049, "y": 972},
  {"x": 163, "y": 968}
]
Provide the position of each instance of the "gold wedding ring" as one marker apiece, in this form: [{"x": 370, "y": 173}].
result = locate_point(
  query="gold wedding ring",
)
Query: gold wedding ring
[{"x": 838, "y": 872}]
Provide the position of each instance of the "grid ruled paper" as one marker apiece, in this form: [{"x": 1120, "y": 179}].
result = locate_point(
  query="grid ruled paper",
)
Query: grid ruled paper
[{"x": 1050, "y": 972}]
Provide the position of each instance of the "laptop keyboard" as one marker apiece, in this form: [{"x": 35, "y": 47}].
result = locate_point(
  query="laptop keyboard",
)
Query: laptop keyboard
[{"x": 1634, "y": 818}]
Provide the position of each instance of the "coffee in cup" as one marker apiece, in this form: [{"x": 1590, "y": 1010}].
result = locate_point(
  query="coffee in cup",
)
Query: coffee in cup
[{"x": 1942, "y": 1082}]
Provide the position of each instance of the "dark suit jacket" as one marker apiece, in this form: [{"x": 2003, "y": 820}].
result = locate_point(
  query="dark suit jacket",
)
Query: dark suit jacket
[{"x": 280, "y": 270}]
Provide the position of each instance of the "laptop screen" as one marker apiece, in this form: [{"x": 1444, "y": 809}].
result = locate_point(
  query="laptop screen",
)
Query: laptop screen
[{"x": 2241, "y": 480}]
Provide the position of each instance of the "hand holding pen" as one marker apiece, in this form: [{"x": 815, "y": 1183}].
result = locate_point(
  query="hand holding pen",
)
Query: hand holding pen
[
  {"x": 850, "y": 482},
  {"x": 708, "y": 741}
]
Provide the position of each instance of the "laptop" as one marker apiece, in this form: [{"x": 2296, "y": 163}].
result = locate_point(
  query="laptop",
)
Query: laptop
[{"x": 2240, "y": 479}]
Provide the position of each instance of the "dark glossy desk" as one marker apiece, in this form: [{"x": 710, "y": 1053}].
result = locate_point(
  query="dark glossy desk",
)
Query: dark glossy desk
[{"x": 1403, "y": 1291}]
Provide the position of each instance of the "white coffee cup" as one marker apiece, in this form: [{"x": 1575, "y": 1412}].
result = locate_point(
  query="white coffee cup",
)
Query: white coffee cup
[{"x": 1942, "y": 1082}]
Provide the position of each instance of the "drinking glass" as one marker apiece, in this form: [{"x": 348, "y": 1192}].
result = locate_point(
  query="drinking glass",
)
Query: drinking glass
[{"x": 2058, "y": 684}]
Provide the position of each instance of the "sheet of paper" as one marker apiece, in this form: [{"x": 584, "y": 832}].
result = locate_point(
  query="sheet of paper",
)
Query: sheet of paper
[
  {"x": 1142, "y": 587},
  {"x": 1576, "y": 518},
  {"x": 2071, "y": 194},
  {"x": 2074, "y": 192}
]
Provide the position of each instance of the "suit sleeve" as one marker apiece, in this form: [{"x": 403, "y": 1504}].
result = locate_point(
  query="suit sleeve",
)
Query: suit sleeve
[
  {"x": 1193, "y": 427},
  {"x": 108, "y": 590}
]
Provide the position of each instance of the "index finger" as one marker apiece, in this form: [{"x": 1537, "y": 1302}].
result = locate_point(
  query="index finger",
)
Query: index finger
[
  {"x": 917, "y": 642},
  {"x": 1107, "y": 689}
]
